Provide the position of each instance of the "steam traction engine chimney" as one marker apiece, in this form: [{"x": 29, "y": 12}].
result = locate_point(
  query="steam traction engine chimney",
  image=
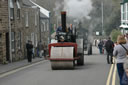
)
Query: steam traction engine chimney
[{"x": 63, "y": 21}]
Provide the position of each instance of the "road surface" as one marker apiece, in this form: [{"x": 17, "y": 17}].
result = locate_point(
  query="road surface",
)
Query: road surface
[{"x": 96, "y": 71}]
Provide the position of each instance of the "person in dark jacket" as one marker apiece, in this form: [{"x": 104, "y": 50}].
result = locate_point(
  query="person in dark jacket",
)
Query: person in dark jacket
[
  {"x": 109, "y": 46},
  {"x": 59, "y": 29},
  {"x": 100, "y": 45},
  {"x": 70, "y": 29},
  {"x": 29, "y": 48}
]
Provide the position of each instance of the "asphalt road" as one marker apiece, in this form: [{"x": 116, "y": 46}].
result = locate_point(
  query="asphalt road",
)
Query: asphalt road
[{"x": 94, "y": 72}]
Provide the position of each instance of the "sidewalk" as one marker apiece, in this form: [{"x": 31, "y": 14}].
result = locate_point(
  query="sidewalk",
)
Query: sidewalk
[{"x": 18, "y": 64}]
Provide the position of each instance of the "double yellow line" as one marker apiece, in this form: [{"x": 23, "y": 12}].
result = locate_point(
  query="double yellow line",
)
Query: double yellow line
[{"x": 112, "y": 75}]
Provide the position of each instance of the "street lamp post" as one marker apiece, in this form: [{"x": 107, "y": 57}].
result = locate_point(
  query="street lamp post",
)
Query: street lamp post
[{"x": 102, "y": 7}]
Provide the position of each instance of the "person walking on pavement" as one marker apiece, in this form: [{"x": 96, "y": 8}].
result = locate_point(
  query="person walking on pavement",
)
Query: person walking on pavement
[
  {"x": 125, "y": 76},
  {"x": 29, "y": 48},
  {"x": 120, "y": 54},
  {"x": 45, "y": 50},
  {"x": 40, "y": 48},
  {"x": 100, "y": 46},
  {"x": 109, "y": 46}
]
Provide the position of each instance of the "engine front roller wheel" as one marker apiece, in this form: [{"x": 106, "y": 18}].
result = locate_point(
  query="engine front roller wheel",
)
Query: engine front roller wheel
[
  {"x": 57, "y": 65},
  {"x": 80, "y": 61},
  {"x": 62, "y": 57}
]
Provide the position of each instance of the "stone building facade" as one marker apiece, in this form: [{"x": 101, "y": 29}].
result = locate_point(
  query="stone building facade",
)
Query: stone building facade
[
  {"x": 31, "y": 15},
  {"x": 25, "y": 25},
  {"x": 4, "y": 36},
  {"x": 45, "y": 25}
]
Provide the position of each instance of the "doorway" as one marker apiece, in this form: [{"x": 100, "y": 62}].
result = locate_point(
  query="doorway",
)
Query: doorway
[{"x": 7, "y": 47}]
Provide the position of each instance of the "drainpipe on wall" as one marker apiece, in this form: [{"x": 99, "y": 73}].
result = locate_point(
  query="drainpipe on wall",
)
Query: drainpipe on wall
[
  {"x": 9, "y": 27},
  {"x": 50, "y": 27},
  {"x": 40, "y": 27}
]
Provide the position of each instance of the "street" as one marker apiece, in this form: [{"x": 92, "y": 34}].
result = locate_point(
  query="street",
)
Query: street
[
  {"x": 33, "y": 32},
  {"x": 94, "y": 72}
]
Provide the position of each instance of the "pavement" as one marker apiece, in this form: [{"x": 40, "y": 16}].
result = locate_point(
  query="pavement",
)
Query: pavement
[{"x": 14, "y": 65}]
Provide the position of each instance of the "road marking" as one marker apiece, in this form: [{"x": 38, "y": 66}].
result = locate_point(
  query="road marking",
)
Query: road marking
[
  {"x": 109, "y": 76},
  {"x": 114, "y": 76},
  {"x": 19, "y": 69}
]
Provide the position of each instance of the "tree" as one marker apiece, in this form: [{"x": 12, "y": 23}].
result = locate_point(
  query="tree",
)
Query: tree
[
  {"x": 111, "y": 15},
  {"x": 114, "y": 34}
]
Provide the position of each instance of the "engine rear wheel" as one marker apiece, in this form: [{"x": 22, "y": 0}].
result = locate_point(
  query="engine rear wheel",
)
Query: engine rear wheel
[
  {"x": 80, "y": 61},
  {"x": 89, "y": 49}
]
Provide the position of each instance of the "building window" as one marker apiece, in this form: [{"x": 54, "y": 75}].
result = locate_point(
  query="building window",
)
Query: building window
[
  {"x": 36, "y": 40},
  {"x": 18, "y": 13},
  {"x": 44, "y": 26},
  {"x": 18, "y": 9},
  {"x": 122, "y": 14},
  {"x": 12, "y": 13},
  {"x": 32, "y": 38},
  {"x": 47, "y": 26},
  {"x": 27, "y": 39},
  {"x": 13, "y": 41},
  {"x": 26, "y": 19},
  {"x": 124, "y": 11},
  {"x": 127, "y": 11},
  {"x": 35, "y": 19},
  {"x": 0, "y": 37},
  {"x": 48, "y": 40},
  {"x": 19, "y": 40},
  {"x": 0, "y": 5},
  {"x": 11, "y": 10},
  {"x": 0, "y": 20}
]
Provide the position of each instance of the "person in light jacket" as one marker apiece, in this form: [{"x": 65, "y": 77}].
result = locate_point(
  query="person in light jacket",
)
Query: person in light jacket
[{"x": 120, "y": 54}]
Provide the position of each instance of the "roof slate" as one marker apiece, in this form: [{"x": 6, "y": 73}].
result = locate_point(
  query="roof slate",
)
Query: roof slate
[
  {"x": 30, "y": 4},
  {"x": 27, "y": 3}
]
